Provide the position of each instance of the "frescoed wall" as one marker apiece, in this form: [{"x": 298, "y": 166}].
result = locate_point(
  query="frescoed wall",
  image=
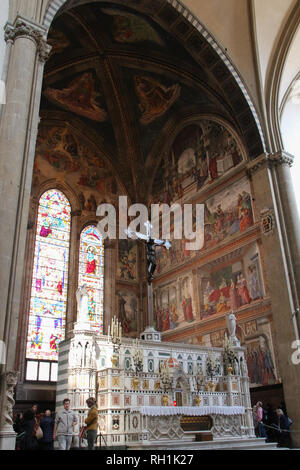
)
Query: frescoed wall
[
  {"x": 234, "y": 286},
  {"x": 127, "y": 307},
  {"x": 256, "y": 337},
  {"x": 174, "y": 304},
  {"x": 127, "y": 260},
  {"x": 226, "y": 214},
  {"x": 64, "y": 154},
  {"x": 200, "y": 154}
]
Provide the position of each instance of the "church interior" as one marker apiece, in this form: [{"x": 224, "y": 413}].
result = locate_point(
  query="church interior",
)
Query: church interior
[{"x": 151, "y": 100}]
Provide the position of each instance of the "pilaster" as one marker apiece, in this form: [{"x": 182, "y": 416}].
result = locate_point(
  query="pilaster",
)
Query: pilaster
[
  {"x": 279, "y": 220},
  {"x": 18, "y": 133}
]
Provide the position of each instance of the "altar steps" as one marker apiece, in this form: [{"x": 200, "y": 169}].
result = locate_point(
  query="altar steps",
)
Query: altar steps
[{"x": 218, "y": 444}]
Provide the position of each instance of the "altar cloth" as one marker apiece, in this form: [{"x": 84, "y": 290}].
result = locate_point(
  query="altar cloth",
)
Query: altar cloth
[{"x": 189, "y": 410}]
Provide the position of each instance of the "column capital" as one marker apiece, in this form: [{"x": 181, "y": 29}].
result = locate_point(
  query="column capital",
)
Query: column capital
[
  {"x": 269, "y": 160},
  {"x": 280, "y": 158},
  {"x": 26, "y": 29}
]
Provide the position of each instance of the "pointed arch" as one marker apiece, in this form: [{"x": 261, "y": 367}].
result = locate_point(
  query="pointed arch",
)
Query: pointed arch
[
  {"x": 49, "y": 288},
  {"x": 91, "y": 273},
  {"x": 55, "y": 5}
]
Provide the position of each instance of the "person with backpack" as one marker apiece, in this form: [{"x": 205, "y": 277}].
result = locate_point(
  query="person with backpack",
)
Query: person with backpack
[{"x": 29, "y": 442}]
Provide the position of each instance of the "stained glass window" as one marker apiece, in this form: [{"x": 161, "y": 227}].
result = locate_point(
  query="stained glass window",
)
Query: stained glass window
[
  {"x": 91, "y": 273},
  {"x": 50, "y": 277}
]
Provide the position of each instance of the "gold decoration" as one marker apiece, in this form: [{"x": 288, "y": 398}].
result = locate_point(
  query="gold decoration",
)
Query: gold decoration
[
  {"x": 135, "y": 383},
  {"x": 198, "y": 400},
  {"x": 157, "y": 385},
  {"x": 114, "y": 360},
  {"x": 146, "y": 384},
  {"x": 115, "y": 382},
  {"x": 210, "y": 386},
  {"x": 165, "y": 400}
]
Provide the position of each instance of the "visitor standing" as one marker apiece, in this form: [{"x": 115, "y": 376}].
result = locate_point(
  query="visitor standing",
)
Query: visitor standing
[
  {"x": 47, "y": 426},
  {"x": 284, "y": 423},
  {"x": 91, "y": 422},
  {"x": 260, "y": 414},
  {"x": 28, "y": 426},
  {"x": 63, "y": 427}
]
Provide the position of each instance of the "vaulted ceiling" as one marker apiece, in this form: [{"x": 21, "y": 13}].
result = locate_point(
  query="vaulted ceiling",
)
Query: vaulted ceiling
[{"x": 128, "y": 77}]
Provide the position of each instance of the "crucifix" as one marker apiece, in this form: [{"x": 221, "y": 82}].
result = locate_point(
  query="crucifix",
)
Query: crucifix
[{"x": 151, "y": 244}]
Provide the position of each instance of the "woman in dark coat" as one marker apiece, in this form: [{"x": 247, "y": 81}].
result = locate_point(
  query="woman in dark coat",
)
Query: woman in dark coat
[
  {"x": 47, "y": 425},
  {"x": 29, "y": 442},
  {"x": 284, "y": 437}
]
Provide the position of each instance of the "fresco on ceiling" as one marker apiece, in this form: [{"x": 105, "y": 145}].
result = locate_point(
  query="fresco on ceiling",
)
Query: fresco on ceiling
[
  {"x": 129, "y": 28},
  {"x": 62, "y": 154},
  {"x": 174, "y": 304},
  {"x": 232, "y": 287},
  {"x": 127, "y": 305},
  {"x": 199, "y": 155},
  {"x": 226, "y": 214},
  {"x": 154, "y": 98},
  {"x": 58, "y": 41},
  {"x": 81, "y": 96},
  {"x": 127, "y": 260}
]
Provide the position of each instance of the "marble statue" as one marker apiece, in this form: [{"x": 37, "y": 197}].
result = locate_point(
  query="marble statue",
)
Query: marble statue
[
  {"x": 231, "y": 326},
  {"x": 82, "y": 304}
]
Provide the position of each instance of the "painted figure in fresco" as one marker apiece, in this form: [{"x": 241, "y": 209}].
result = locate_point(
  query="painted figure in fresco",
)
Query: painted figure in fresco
[
  {"x": 260, "y": 363},
  {"x": 81, "y": 200},
  {"x": 58, "y": 41},
  {"x": 92, "y": 203},
  {"x": 222, "y": 306},
  {"x": 79, "y": 97},
  {"x": 154, "y": 97},
  {"x": 165, "y": 319},
  {"x": 234, "y": 300},
  {"x": 255, "y": 291},
  {"x": 127, "y": 267},
  {"x": 173, "y": 316},
  {"x": 220, "y": 219},
  {"x": 243, "y": 291},
  {"x": 122, "y": 314},
  {"x": 187, "y": 309},
  {"x": 246, "y": 218},
  {"x": 132, "y": 29}
]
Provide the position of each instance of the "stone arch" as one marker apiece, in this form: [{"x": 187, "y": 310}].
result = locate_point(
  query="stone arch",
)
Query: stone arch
[
  {"x": 224, "y": 64},
  {"x": 172, "y": 129},
  {"x": 274, "y": 79}
]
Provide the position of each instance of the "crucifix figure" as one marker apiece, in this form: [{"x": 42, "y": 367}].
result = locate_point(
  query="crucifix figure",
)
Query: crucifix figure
[{"x": 151, "y": 244}]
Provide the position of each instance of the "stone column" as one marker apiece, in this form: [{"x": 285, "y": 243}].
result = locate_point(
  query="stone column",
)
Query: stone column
[
  {"x": 110, "y": 247},
  {"x": 289, "y": 216},
  {"x": 73, "y": 268},
  {"x": 7, "y": 433},
  {"x": 9, "y": 43},
  {"x": 275, "y": 202},
  {"x": 18, "y": 132}
]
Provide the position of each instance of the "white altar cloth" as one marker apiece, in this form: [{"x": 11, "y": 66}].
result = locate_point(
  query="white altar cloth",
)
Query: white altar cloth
[{"x": 189, "y": 410}]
